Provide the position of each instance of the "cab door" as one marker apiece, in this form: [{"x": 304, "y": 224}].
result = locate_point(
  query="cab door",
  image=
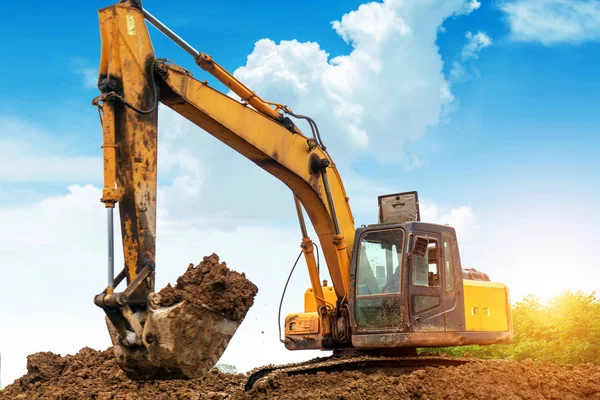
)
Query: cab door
[
  {"x": 454, "y": 308},
  {"x": 377, "y": 297},
  {"x": 425, "y": 282}
]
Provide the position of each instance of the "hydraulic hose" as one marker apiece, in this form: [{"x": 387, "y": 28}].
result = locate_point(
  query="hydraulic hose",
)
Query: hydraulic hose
[{"x": 283, "y": 295}]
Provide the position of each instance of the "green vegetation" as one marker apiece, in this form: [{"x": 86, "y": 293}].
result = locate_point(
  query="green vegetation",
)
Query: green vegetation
[
  {"x": 564, "y": 329},
  {"x": 226, "y": 368}
]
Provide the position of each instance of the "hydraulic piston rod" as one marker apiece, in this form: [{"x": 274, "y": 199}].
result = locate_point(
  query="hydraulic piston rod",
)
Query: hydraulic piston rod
[
  {"x": 111, "y": 248},
  {"x": 170, "y": 34}
]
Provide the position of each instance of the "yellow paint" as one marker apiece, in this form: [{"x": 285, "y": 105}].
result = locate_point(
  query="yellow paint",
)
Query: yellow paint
[
  {"x": 302, "y": 323},
  {"x": 486, "y": 306},
  {"x": 309, "y": 298}
]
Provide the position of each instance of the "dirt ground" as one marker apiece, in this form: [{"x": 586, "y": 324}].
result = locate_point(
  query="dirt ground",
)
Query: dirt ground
[{"x": 92, "y": 374}]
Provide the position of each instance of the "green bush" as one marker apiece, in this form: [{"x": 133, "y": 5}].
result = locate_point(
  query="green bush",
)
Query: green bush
[
  {"x": 226, "y": 368},
  {"x": 564, "y": 329}
]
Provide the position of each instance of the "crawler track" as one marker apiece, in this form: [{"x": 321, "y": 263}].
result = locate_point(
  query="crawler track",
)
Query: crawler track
[{"x": 350, "y": 363}]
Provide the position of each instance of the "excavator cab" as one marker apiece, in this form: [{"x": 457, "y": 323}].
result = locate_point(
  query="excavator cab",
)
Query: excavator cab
[
  {"x": 407, "y": 288},
  {"x": 411, "y": 253},
  {"x": 426, "y": 303}
]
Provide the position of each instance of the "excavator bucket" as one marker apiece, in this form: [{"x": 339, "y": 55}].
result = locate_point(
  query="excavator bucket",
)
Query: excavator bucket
[
  {"x": 178, "y": 335},
  {"x": 182, "y": 341}
]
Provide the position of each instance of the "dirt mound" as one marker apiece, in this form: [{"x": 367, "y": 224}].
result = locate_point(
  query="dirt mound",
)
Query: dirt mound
[
  {"x": 477, "y": 380},
  {"x": 92, "y": 374},
  {"x": 215, "y": 285}
]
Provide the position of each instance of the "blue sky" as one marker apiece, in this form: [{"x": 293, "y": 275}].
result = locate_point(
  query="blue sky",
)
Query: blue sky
[
  {"x": 526, "y": 103},
  {"x": 511, "y": 157}
]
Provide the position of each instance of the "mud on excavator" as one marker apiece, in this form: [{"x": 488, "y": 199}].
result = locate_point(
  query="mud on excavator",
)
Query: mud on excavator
[{"x": 396, "y": 285}]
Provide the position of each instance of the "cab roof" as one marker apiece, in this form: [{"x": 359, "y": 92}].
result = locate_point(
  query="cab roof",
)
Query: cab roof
[{"x": 416, "y": 225}]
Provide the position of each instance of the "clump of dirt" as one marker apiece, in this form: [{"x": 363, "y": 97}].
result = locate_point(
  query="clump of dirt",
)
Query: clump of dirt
[
  {"x": 92, "y": 374},
  {"x": 44, "y": 366},
  {"x": 213, "y": 284}
]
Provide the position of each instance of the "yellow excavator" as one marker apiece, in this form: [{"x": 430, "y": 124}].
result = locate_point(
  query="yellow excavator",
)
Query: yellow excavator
[{"x": 396, "y": 285}]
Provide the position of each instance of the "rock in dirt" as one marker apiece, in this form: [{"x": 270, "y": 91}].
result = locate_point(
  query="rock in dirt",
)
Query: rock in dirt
[
  {"x": 92, "y": 374},
  {"x": 213, "y": 284}
]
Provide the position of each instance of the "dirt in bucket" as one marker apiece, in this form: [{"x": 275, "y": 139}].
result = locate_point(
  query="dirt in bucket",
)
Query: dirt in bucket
[{"x": 213, "y": 284}]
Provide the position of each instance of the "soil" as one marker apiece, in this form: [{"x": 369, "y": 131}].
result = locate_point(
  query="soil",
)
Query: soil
[
  {"x": 213, "y": 284},
  {"x": 476, "y": 380},
  {"x": 92, "y": 374}
]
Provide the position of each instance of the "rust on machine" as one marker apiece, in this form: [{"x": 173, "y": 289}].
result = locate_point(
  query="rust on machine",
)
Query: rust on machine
[{"x": 187, "y": 327}]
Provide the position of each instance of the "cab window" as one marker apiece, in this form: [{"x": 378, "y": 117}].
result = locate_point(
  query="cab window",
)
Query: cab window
[
  {"x": 425, "y": 265},
  {"x": 379, "y": 271},
  {"x": 379, "y": 262}
]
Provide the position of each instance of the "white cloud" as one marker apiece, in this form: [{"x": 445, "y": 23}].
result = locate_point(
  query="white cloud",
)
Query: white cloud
[
  {"x": 88, "y": 74},
  {"x": 201, "y": 176},
  {"x": 462, "y": 219},
  {"x": 475, "y": 43},
  {"x": 472, "y": 6},
  {"x": 553, "y": 21},
  {"x": 28, "y": 156},
  {"x": 388, "y": 90}
]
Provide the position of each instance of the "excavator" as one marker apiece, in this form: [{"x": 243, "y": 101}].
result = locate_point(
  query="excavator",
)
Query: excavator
[{"x": 396, "y": 285}]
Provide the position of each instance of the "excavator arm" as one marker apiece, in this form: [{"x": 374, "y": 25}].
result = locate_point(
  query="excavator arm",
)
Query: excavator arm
[{"x": 133, "y": 81}]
